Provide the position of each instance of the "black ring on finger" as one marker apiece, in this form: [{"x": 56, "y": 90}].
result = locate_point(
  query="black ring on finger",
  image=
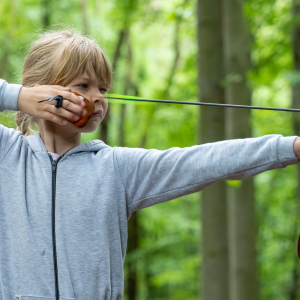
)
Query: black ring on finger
[{"x": 58, "y": 100}]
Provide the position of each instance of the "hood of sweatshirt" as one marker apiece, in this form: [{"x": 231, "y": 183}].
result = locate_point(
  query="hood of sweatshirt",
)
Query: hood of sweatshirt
[{"x": 37, "y": 145}]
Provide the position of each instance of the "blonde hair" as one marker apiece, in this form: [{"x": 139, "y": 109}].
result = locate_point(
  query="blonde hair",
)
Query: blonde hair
[{"x": 57, "y": 58}]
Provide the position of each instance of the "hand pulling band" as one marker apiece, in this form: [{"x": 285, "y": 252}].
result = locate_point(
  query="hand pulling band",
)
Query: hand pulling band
[
  {"x": 58, "y": 100},
  {"x": 89, "y": 106}
]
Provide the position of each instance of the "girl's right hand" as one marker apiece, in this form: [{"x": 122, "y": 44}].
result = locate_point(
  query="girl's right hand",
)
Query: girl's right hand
[{"x": 72, "y": 106}]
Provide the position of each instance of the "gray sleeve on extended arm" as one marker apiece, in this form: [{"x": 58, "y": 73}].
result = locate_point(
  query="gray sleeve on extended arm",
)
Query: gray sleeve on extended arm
[
  {"x": 9, "y": 94},
  {"x": 155, "y": 176}
]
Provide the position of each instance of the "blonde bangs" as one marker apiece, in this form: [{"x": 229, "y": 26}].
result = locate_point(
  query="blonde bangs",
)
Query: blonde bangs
[{"x": 78, "y": 58}]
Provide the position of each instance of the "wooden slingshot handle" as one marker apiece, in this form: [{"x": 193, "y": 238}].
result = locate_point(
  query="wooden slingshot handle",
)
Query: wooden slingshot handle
[{"x": 90, "y": 107}]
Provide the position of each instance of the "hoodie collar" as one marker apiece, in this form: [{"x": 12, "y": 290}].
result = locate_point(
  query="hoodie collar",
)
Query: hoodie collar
[{"x": 37, "y": 145}]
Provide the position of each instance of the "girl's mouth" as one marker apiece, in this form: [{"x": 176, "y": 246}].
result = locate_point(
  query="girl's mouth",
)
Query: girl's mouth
[{"x": 98, "y": 113}]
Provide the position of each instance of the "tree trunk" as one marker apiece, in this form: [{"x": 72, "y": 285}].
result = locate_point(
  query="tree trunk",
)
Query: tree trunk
[
  {"x": 169, "y": 81},
  {"x": 153, "y": 292},
  {"x": 46, "y": 13},
  {"x": 241, "y": 210},
  {"x": 133, "y": 225},
  {"x": 4, "y": 63},
  {"x": 117, "y": 55},
  {"x": 213, "y": 199},
  {"x": 174, "y": 65},
  {"x": 132, "y": 245},
  {"x": 127, "y": 85},
  {"x": 84, "y": 17},
  {"x": 293, "y": 292}
]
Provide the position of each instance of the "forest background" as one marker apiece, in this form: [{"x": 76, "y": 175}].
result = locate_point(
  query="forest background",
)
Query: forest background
[{"x": 235, "y": 240}]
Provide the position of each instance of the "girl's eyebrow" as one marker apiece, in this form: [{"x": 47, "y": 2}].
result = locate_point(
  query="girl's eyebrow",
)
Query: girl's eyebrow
[{"x": 83, "y": 78}]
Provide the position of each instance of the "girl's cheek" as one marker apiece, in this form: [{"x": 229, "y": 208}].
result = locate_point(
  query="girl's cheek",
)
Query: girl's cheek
[{"x": 104, "y": 108}]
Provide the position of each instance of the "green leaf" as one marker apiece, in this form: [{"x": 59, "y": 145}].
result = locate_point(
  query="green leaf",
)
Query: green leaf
[{"x": 234, "y": 183}]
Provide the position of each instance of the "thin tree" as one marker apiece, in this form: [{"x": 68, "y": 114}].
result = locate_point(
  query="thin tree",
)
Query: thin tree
[
  {"x": 46, "y": 12},
  {"x": 128, "y": 8},
  {"x": 84, "y": 16},
  {"x": 165, "y": 93},
  {"x": 4, "y": 58},
  {"x": 133, "y": 222},
  {"x": 117, "y": 55},
  {"x": 213, "y": 199},
  {"x": 153, "y": 292},
  {"x": 241, "y": 210},
  {"x": 126, "y": 88}
]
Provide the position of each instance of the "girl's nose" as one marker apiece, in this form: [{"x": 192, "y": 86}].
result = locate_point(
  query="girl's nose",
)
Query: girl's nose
[{"x": 97, "y": 98}]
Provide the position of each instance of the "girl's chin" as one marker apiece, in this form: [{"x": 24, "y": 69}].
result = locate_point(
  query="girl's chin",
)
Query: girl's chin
[{"x": 88, "y": 128}]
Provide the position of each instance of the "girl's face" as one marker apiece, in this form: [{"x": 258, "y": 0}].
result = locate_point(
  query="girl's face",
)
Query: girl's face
[{"x": 92, "y": 90}]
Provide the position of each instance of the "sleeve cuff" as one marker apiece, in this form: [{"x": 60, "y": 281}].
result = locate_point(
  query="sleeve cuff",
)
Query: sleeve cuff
[
  {"x": 9, "y": 96},
  {"x": 286, "y": 153}
]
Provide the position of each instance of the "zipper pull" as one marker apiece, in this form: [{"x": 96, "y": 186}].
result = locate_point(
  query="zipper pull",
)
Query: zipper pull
[{"x": 53, "y": 166}]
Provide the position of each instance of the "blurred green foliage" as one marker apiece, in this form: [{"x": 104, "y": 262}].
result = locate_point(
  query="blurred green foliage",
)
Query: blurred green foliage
[{"x": 168, "y": 258}]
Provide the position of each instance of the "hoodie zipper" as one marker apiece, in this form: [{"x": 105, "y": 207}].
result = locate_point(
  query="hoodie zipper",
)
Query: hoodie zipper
[
  {"x": 54, "y": 165},
  {"x": 54, "y": 170}
]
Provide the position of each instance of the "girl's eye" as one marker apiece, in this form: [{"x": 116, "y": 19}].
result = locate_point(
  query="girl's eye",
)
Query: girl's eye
[
  {"x": 83, "y": 85},
  {"x": 103, "y": 91}
]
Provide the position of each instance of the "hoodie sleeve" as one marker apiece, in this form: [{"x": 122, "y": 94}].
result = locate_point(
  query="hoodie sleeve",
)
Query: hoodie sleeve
[
  {"x": 9, "y": 94},
  {"x": 155, "y": 176}
]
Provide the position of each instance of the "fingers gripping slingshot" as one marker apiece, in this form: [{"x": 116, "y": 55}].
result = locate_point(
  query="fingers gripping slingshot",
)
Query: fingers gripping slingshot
[{"x": 89, "y": 106}]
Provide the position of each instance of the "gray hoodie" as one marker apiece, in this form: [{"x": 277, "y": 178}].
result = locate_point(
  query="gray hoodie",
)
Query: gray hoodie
[{"x": 63, "y": 225}]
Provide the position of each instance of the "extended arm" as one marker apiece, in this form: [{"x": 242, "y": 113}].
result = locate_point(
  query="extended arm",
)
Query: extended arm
[{"x": 153, "y": 176}]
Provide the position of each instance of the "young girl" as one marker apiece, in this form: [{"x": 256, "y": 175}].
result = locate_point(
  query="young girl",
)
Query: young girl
[{"x": 64, "y": 206}]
